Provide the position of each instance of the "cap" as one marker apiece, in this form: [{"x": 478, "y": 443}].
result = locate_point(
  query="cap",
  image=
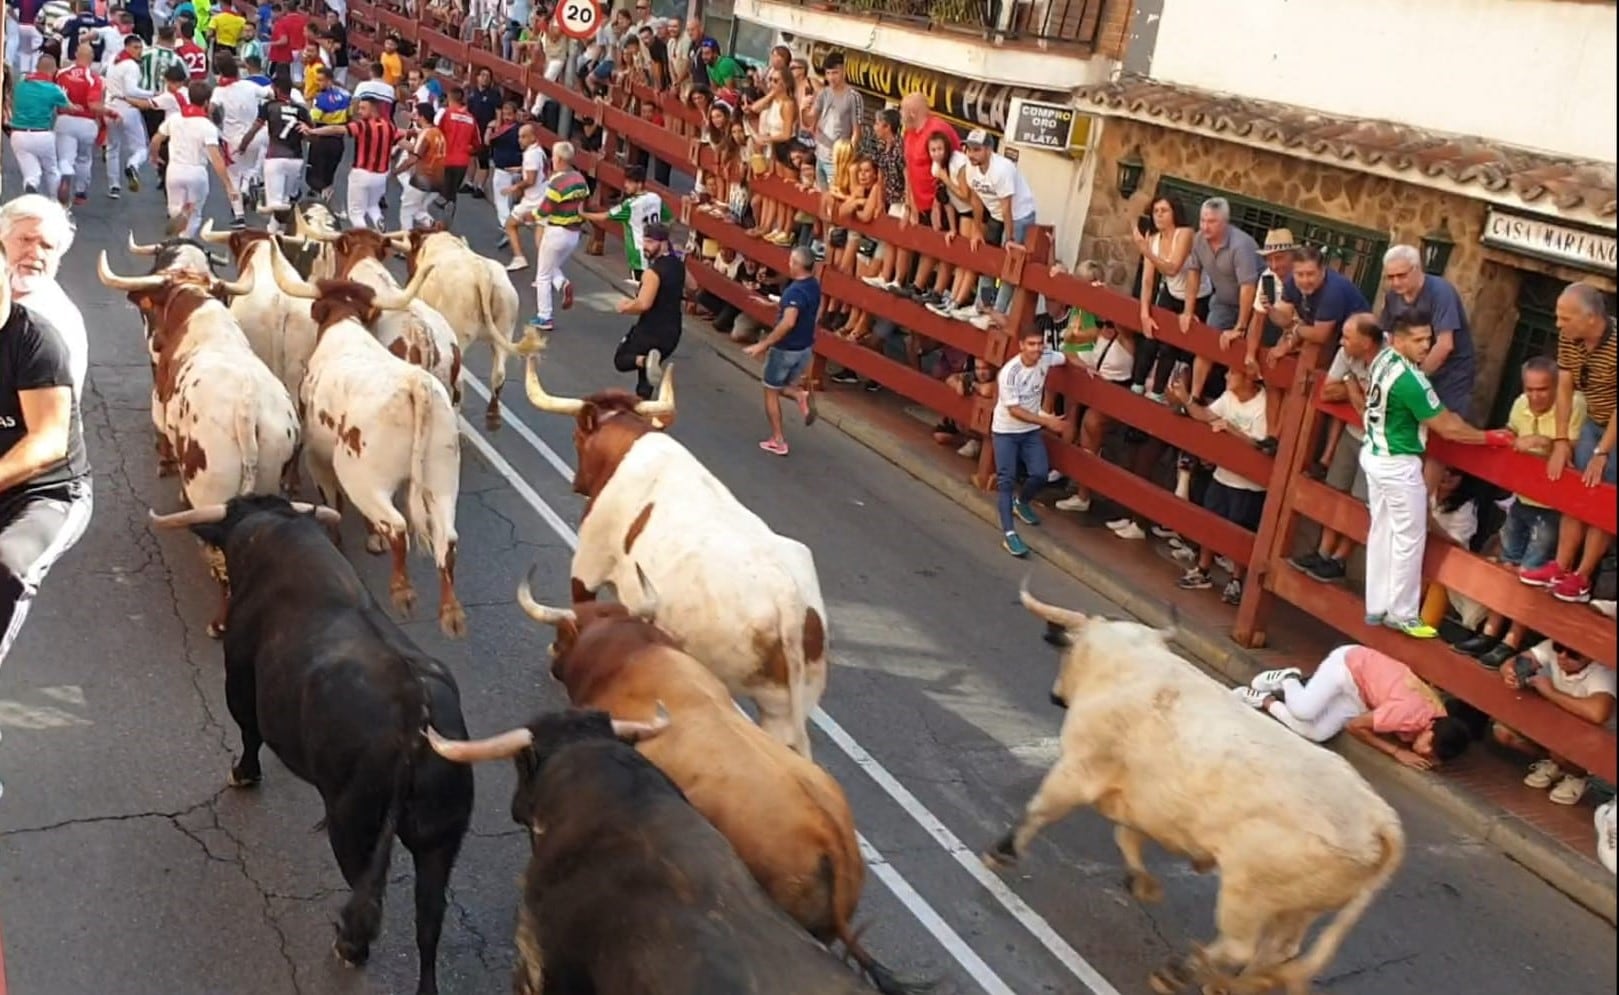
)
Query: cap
[
  {"x": 977, "y": 136},
  {"x": 657, "y": 231},
  {"x": 710, "y": 43}
]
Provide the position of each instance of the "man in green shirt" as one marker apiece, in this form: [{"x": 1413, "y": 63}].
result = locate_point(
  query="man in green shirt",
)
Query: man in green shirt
[
  {"x": 639, "y": 208},
  {"x": 1398, "y": 407}
]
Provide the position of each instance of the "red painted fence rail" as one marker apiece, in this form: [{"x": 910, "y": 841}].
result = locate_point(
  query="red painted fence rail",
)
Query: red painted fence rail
[{"x": 1292, "y": 496}]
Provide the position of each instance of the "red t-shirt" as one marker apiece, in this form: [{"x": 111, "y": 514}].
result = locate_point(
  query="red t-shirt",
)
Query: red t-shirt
[
  {"x": 82, "y": 87},
  {"x": 195, "y": 59},
  {"x": 294, "y": 26},
  {"x": 460, "y": 130},
  {"x": 919, "y": 165}
]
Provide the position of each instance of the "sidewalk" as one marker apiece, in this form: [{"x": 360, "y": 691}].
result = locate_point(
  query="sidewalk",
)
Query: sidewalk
[{"x": 1483, "y": 791}]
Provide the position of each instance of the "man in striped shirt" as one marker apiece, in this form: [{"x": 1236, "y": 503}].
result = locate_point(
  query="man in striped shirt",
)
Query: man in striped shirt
[
  {"x": 155, "y": 62},
  {"x": 561, "y": 213},
  {"x": 1398, "y": 407},
  {"x": 374, "y": 139}
]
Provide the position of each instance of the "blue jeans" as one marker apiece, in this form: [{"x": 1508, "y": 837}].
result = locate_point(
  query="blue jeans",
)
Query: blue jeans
[
  {"x": 783, "y": 367},
  {"x": 1529, "y": 536},
  {"x": 1018, "y": 231},
  {"x": 1010, "y": 449},
  {"x": 1585, "y": 446}
]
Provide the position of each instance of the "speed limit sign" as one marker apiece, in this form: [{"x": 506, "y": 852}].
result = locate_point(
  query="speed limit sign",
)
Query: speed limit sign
[{"x": 579, "y": 19}]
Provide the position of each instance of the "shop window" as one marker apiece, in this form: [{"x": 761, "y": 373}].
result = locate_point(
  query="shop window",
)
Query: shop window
[
  {"x": 1534, "y": 335},
  {"x": 1355, "y": 252}
]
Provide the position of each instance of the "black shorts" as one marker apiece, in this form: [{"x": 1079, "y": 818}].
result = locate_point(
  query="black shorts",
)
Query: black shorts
[
  {"x": 1235, "y": 505},
  {"x": 454, "y": 176},
  {"x": 481, "y": 157}
]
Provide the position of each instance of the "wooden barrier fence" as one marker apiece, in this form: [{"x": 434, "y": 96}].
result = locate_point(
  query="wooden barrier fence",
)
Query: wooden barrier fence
[{"x": 1292, "y": 496}]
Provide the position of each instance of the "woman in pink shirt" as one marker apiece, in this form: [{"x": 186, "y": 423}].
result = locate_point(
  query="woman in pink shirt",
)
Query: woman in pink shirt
[{"x": 1372, "y": 695}]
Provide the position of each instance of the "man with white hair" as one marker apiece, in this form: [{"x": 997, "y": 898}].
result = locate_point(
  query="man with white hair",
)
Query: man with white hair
[
  {"x": 45, "y": 498},
  {"x": 35, "y": 233},
  {"x": 561, "y": 212}
]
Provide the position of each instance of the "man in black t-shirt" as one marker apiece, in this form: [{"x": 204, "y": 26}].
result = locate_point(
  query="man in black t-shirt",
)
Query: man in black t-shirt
[
  {"x": 283, "y": 122},
  {"x": 44, "y": 473},
  {"x": 658, "y": 308}
]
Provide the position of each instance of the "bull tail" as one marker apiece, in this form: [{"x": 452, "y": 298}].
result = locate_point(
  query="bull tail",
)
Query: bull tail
[
  {"x": 1300, "y": 971},
  {"x": 247, "y": 442},
  {"x": 498, "y": 303},
  {"x": 885, "y": 980},
  {"x": 420, "y": 509}
]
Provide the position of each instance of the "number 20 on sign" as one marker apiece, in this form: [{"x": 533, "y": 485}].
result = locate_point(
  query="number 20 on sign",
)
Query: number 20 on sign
[{"x": 579, "y": 19}]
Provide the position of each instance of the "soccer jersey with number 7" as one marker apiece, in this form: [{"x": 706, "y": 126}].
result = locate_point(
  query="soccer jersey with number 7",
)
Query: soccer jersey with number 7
[
  {"x": 1399, "y": 399},
  {"x": 281, "y": 120}
]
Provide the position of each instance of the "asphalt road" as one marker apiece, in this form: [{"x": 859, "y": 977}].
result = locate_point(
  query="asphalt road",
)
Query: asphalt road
[{"x": 128, "y": 868}]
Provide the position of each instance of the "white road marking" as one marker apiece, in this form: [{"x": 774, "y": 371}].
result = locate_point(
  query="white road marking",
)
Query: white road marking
[{"x": 930, "y": 920}]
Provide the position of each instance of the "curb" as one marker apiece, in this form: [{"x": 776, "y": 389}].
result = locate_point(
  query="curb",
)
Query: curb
[{"x": 1584, "y": 881}]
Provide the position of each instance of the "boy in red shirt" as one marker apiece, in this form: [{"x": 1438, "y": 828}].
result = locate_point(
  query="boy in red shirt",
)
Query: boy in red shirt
[{"x": 461, "y": 134}]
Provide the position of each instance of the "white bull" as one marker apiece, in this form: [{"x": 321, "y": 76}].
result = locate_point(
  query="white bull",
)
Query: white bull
[
  {"x": 740, "y": 598},
  {"x": 277, "y": 326},
  {"x": 1163, "y": 751},
  {"x": 474, "y": 295},
  {"x": 378, "y": 423},
  {"x": 226, "y": 419}
]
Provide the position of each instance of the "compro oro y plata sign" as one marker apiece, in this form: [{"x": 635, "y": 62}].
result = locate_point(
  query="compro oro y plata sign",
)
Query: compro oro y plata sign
[
  {"x": 579, "y": 19},
  {"x": 1579, "y": 247},
  {"x": 1039, "y": 125}
]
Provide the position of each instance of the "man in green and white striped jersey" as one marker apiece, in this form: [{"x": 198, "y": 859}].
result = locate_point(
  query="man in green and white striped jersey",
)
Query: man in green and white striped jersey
[
  {"x": 639, "y": 208},
  {"x": 1398, "y": 407},
  {"x": 155, "y": 62}
]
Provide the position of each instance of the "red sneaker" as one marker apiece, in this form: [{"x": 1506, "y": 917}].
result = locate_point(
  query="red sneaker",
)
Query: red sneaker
[
  {"x": 1545, "y": 575},
  {"x": 1572, "y": 588}
]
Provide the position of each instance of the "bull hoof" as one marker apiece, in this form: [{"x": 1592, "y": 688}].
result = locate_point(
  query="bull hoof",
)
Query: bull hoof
[
  {"x": 452, "y": 619},
  {"x": 1217, "y": 988},
  {"x": 167, "y": 469},
  {"x": 1172, "y": 978},
  {"x": 1144, "y": 888},
  {"x": 491, "y": 419},
  {"x": 375, "y": 545},
  {"x": 216, "y": 630},
  {"x": 243, "y": 779},
  {"x": 350, "y": 953},
  {"x": 1002, "y": 855},
  {"x": 404, "y": 599}
]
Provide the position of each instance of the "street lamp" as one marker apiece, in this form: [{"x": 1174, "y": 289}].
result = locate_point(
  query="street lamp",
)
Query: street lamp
[
  {"x": 1436, "y": 249},
  {"x": 1131, "y": 169}
]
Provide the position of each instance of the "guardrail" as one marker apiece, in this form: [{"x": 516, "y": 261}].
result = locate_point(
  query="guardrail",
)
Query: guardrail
[{"x": 1292, "y": 496}]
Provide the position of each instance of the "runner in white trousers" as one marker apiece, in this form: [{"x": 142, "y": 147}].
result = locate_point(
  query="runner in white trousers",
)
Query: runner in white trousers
[
  {"x": 561, "y": 214},
  {"x": 193, "y": 142},
  {"x": 1399, "y": 406},
  {"x": 126, "y": 136}
]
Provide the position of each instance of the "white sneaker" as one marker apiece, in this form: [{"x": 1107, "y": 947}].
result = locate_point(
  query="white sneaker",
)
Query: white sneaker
[
  {"x": 1249, "y": 696},
  {"x": 654, "y": 367},
  {"x": 1074, "y": 502},
  {"x": 1270, "y": 681},
  {"x": 1119, "y": 523},
  {"x": 1607, "y": 823},
  {"x": 1568, "y": 791},
  {"x": 1542, "y": 774},
  {"x": 970, "y": 449},
  {"x": 1130, "y": 531}
]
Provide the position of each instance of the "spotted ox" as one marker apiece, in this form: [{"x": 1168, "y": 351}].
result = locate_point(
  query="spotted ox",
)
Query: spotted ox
[
  {"x": 228, "y": 421},
  {"x": 419, "y": 335},
  {"x": 377, "y": 423},
  {"x": 1164, "y": 752},
  {"x": 786, "y": 817},
  {"x": 278, "y": 327},
  {"x": 473, "y": 293},
  {"x": 629, "y": 890},
  {"x": 740, "y": 598}
]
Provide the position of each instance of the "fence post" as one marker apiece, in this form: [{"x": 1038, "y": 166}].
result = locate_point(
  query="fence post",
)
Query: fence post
[{"x": 1275, "y": 534}]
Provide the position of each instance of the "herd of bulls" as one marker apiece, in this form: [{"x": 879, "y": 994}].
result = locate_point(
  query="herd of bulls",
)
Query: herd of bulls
[{"x": 676, "y": 846}]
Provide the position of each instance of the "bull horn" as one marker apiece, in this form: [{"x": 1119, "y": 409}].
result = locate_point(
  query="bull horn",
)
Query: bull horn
[
  {"x": 320, "y": 234},
  {"x": 472, "y": 751},
  {"x": 323, "y": 514},
  {"x": 137, "y": 249},
  {"x": 568, "y": 406},
  {"x": 209, "y": 235},
  {"x": 239, "y": 287},
  {"x": 635, "y": 732},
  {"x": 648, "y": 609},
  {"x": 205, "y": 515},
  {"x": 289, "y": 281},
  {"x": 543, "y": 614},
  {"x": 1064, "y": 617},
  {"x": 129, "y": 284},
  {"x": 664, "y": 406},
  {"x": 401, "y": 300},
  {"x": 298, "y": 240}
]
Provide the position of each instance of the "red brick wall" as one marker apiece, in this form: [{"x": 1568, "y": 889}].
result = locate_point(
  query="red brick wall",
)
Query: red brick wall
[{"x": 1113, "y": 34}]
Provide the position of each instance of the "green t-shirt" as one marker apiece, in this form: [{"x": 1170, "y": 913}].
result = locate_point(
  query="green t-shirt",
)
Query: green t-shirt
[
  {"x": 1399, "y": 399},
  {"x": 724, "y": 70}
]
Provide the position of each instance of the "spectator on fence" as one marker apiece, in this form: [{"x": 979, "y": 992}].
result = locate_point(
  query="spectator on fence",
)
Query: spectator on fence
[
  {"x": 771, "y": 142},
  {"x": 1015, "y": 433},
  {"x": 921, "y": 188},
  {"x": 862, "y": 203},
  {"x": 1239, "y": 411},
  {"x": 1166, "y": 253},
  {"x": 1229, "y": 257},
  {"x": 1583, "y": 688},
  {"x": 1362, "y": 341},
  {"x": 696, "y": 65},
  {"x": 1370, "y": 694},
  {"x": 833, "y": 116},
  {"x": 1450, "y": 365},
  {"x": 955, "y": 287},
  {"x": 1400, "y": 408},
  {"x": 788, "y": 348},
  {"x": 701, "y": 100},
  {"x": 1529, "y": 535},
  {"x": 1107, "y": 351},
  {"x": 1586, "y": 362},
  {"x": 1003, "y": 215}
]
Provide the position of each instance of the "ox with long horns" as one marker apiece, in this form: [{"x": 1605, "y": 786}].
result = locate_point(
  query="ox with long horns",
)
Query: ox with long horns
[
  {"x": 743, "y": 600},
  {"x": 377, "y": 423},
  {"x": 228, "y": 422}
]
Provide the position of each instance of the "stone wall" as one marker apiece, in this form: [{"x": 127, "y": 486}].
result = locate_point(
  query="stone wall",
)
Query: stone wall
[{"x": 1487, "y": 284}]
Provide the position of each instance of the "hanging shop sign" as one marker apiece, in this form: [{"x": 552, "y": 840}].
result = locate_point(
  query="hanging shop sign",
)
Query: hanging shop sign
[
  {"x": 1039, "y": 125},
  {"x": 1578, "y": 247}
]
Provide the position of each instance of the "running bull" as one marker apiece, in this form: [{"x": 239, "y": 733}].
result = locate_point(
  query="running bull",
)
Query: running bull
[{"x": 315, "y": 669}]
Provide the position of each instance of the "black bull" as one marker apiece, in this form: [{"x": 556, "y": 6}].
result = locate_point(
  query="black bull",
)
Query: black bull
[
  {"x": 629, "y": 890},
  {"x": 316, "y": 670}
]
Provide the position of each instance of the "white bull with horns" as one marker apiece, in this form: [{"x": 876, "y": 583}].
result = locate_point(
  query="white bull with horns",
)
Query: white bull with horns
[
  {"x": 378, "y": 423},
  {"x": 228, "y": 423},
  {"x": 277, "y": 325}
]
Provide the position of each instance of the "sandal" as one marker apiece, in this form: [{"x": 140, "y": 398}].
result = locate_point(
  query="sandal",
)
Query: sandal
[{"x": 772, "y": 446}]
